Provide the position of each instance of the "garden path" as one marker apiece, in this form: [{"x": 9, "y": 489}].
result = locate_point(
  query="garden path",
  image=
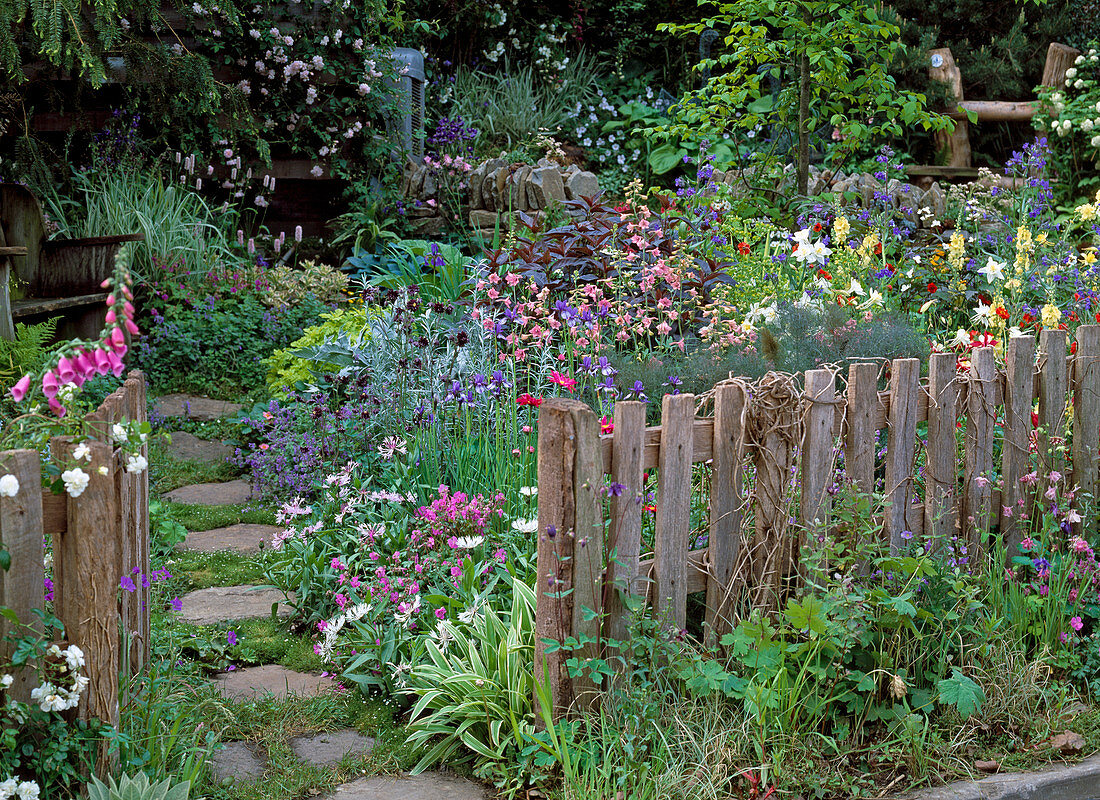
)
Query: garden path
[{"x": 217, "y": 605}]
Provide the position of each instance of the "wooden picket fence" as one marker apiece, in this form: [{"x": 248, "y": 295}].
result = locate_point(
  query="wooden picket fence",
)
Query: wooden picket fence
[
  {"x": 772, "y": 449},
  {"x": 96, "y": 539}
]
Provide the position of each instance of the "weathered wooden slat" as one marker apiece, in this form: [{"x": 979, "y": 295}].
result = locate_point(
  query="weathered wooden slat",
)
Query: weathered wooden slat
[
  {"x": 941, "y": 462},
  {"x": 589, "y": 565},
  {"x": 674, "y": 507},
  {"x": 696, "y": 577},
  {"x": 978, "y": 455},
  {"x": 625, "y": 542},
  {"x": 1053, "y": 387},
  {"x": 55, "y": 512},
  {"x": 1086, "y": 417},
  {"x": 557, "y": 451},
  {"x": 21, "y": 587},
  {"x": 901, "y": 446},
  {"x": 726, "y": 506},
  {"x": 702, "y": 435},
  {"x": 85, "y": 597},
  {"x": 859, "y": 434},
  {"x": 818, "y": 461},
  {"x": 1019, "y": 384}
]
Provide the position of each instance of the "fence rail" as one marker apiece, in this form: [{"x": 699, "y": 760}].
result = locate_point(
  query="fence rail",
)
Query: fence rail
[
  {"x": 772, "y": 449},
  {"x": 96, "y": 539}
]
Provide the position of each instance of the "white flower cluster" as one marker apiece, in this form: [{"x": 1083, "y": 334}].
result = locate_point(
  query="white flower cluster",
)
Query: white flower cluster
[
  {"x": 76, "y": 481},
  {"x": 336, "y": 624},
  {"x": 51, "y": 697},
  {"x": 23, "y": 790}
]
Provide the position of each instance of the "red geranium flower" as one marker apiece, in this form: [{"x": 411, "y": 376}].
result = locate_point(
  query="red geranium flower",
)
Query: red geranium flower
[
  {"x": 931, "y": 288},
  {"x": 878, "y": 249},
  {"x": 1002, "y": 312},
  {"x": 817, "y": 227},
  {"x": 743, "y": 248},
  {"x": 824, "y": 274},
  {"x": 528, "y": 400}
]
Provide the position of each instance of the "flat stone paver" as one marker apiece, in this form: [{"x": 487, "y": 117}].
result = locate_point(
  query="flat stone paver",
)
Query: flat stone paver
[
  {"x": 425, "y": 786},
  {"x": 253, "y": 683},
  {"x": 237, "y": 761},
  {"x": 226, "y": 603},
  {"x": 193, "y": 407},
  {"x": 324, "y": 749},
  {"x": 189, "y": 447},
  {"x": 244, "y": 537},
  {"x": 230, "y": 493}
]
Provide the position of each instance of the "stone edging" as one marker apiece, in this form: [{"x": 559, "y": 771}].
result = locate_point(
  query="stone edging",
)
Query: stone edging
[{"x": 1064, "y": 782}]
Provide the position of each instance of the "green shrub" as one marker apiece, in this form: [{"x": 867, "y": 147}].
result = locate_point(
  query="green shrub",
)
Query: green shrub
[
  {"x": 285, "y": 368},
  {"x": 218, "y": 346},
  {"x": 286, "y": 286}
]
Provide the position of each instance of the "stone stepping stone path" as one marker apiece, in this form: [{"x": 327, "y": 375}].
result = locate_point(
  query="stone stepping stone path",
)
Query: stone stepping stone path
[
  {"x": 326, "y": 749},
  {"x": 190, "y": 406},
  {"x": 237, "y": 761},
  {"x": 227, "y": 603},
  {"x": 230, "y": 493},
  {"x": 189, "y": 447},
  {"x": 244, "y": 537},
  {"x": 425, "y": 786},
  {"x": 254, "y": 683}
]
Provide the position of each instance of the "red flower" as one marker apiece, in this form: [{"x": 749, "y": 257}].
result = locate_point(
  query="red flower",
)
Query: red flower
[
  {"x": 824, "y": 274},
  {"x": 1028, "y": 318},
  {"x": 650, "y": 509},
  {"x": 1035, "y": 419},
  {"x": 606, "y": 425},
  {"x": 743, "y": 248},
  {"x": 1002, "y": 312},
  {"x": 817, "y": 227},
  {"x": 564, "y": 381},
  {"x": 931, "y": 288},
  {"x": 528, "y": 400},
  {"x": 878, "y": 249},
  {"x": 1073, "y": 347}
]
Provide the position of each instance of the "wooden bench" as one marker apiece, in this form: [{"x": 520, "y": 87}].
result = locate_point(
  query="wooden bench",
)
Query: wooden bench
[
  {"x": 61, "y": 277},
  {"x": 956, "y": 144}
]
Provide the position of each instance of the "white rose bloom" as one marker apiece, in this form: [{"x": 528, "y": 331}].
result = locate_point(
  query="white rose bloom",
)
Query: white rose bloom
[
  {"x": 75, "y": 480},
  {"x": 1095, "y": 142},
  {"x": 9, "y": 486},
  {"x": 7, "y": 789},
  {"x": 136, "y": 464},
  {"x": 74, "y": 657},
  {"x": 1071, "y": 73},
  {"x": 27, "y": 790},
  {"x": 82, "y": 452},
  {"x": 1079, "y": 84},
  {"x": 118, "y": 433},
  {"x": 1079, "y": 60},
  {"x": 1086, "y": 126},
  {"x": 6, "y": 681}
]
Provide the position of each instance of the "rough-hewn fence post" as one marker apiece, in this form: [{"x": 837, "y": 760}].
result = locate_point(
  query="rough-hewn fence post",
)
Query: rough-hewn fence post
[
  {"x": 97, "y": 538},
  {"x": 786, "y": 440}
]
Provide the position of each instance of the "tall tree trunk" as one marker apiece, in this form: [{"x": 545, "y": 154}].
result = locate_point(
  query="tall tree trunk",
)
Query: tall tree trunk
[{"x": 804, "y": 125}]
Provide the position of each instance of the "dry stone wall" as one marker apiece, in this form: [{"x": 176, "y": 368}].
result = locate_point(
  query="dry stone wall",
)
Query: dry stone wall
[{"x": 496, "y": 188}]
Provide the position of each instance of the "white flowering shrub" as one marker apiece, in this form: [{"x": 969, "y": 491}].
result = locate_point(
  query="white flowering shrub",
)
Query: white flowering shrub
[
  {"x": 1070, "y": 116},
  {"x": 44, "y": 753}
]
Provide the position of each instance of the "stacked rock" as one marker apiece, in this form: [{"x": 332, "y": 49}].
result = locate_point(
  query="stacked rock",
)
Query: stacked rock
[{"x": 495, "y": 188}]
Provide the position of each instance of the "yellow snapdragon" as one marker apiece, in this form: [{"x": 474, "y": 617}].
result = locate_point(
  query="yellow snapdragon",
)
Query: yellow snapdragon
[
  {"x": 1050, "y": 315},
  {"x": 841, "y": 228}
]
